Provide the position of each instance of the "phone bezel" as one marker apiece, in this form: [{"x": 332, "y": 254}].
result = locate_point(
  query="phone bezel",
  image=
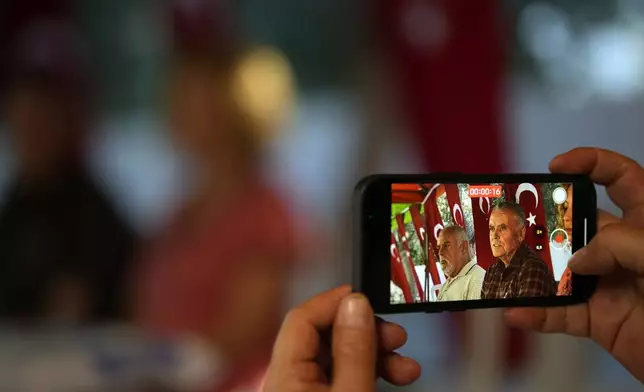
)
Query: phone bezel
[{"x": 372, "y": 219}]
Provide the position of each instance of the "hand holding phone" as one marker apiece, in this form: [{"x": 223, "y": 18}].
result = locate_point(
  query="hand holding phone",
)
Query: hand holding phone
[
  {"x": 460, "y": 241},
  {"x": 332, "y": 342},
  {"x": 614, "y": 316}
]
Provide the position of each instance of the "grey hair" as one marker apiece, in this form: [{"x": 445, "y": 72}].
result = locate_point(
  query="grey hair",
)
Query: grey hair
[
  {"x": 458, "y": 231},
  {"x": 461, "y": 236},
  {"x": 515, "y": 209}
]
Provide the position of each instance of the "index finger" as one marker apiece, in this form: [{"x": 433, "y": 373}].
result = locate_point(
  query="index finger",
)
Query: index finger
[
  {"x": 622, "y": 176},
  {"x": 299, "y": 337}
]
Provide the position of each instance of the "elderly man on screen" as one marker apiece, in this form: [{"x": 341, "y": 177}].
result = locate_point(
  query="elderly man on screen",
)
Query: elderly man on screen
[
  {"x": 517, "y": 271},
  {"x": 464, "y": 276}
]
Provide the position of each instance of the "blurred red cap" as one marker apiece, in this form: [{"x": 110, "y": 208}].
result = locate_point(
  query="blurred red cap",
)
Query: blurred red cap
[
  {"x": 36, "y": 40},
  {"x": 50, "y": 48},
  {"x": 202, "y": 26},
  {"x": 47, "y": 54}
]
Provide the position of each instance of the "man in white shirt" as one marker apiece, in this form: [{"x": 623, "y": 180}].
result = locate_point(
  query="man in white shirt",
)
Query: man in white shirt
[{"x": 464, "y": 275}]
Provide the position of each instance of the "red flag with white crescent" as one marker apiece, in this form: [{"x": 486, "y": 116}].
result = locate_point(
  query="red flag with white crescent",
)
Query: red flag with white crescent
[
  {"x": 400, "y": 220},
  {"x": 481, "y": 208},
  {"x": 398, "y": 272},
  {"x": 454, "y": 201},
  {"x": 433, "y": 219},
  {"x": 434, "y": 225},
  {"x": 417, "y": 219},
  {"x": 421, "y": 232},
  {"x": 530, "y": 198}
]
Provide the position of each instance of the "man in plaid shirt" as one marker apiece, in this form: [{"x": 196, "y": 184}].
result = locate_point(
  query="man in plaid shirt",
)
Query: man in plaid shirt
[{"x": 518, "y": 271}]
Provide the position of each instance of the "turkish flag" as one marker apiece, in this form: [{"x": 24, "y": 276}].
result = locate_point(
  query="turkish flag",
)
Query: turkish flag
[
  {"x": 454, "y": 201},
  {"x": 421, "y": 232},
  {"x": 481, "y": 208},
  {"x": 398, "y": 272},
  {"x": 433, "y": 224},
  {"x": 530, "y": 198},
  {"x": 417, "y": 219},
  {"x": 400, "y": 220}
]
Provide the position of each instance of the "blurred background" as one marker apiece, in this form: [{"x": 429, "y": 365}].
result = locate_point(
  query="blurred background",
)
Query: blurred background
[{"x": 183, "y": 168}]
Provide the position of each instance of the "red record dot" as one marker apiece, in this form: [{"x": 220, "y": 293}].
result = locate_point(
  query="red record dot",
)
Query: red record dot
[{"x": 559, "y": 239}]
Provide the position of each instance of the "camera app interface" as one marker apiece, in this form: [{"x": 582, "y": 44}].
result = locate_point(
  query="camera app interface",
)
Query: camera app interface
[{"x": 456, "y": 242}]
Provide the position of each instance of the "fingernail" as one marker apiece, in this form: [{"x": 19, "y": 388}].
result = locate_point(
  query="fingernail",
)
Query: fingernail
[
  {"x": 576, "y": 258},
  {"x": 355, "y": 311}
]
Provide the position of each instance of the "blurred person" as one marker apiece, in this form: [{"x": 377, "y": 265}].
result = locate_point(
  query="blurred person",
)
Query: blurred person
[
  {"x": 221, "y": 268},
  {"x": 565, "y": 284},
  {"x": 518, "y": 271},
  {"x": 64, "y": 252},
  {"x": 464, "y": 275},
  {"x": 614, "y": 315}
]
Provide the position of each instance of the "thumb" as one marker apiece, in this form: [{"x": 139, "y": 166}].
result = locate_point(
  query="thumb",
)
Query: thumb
[{"x": 354, "y": 346}]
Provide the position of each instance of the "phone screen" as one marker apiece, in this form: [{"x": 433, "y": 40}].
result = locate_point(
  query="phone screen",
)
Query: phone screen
[{"x": 469, "y": 242}]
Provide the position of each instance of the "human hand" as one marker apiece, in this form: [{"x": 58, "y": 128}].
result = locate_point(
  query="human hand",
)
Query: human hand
[
  {"x": 336, "y": 332},
  {"x": 614, "y": 315}
]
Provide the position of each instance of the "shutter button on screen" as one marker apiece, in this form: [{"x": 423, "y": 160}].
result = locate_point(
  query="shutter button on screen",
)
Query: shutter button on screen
[{"x": 558, "y": 239}]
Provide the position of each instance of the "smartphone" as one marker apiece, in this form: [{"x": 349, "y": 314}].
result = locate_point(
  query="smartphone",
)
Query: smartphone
[{"x": 449, "y": 242}]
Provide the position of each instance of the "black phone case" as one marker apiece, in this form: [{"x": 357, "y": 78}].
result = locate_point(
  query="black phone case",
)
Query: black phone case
[{"x": 367, "y": 279}]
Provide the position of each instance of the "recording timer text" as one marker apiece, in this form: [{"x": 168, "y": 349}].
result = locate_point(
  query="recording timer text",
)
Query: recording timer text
[{"x": 485, "y": 191}]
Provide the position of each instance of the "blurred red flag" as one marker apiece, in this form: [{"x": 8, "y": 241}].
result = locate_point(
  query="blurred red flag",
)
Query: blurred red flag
[{"x": 448, "y": 60}]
